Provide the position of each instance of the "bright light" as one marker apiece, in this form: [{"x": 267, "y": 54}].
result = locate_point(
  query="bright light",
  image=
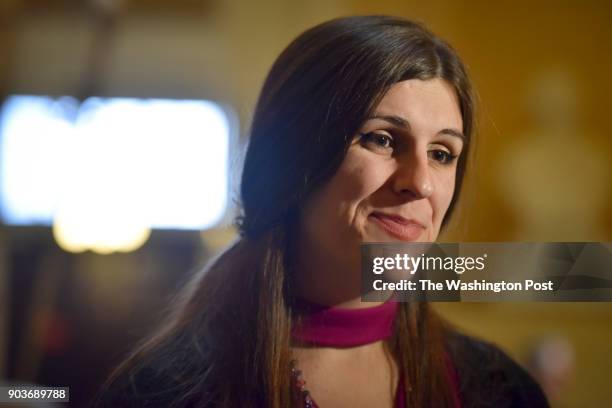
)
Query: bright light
[{"x": 112, "y": 165}]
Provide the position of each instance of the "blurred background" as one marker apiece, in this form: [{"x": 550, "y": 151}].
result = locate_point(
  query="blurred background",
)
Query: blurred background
[{"x": 123, "y": 121}]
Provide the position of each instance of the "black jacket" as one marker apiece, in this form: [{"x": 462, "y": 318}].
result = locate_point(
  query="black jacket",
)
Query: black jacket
[{"x": 487, "y": 378}]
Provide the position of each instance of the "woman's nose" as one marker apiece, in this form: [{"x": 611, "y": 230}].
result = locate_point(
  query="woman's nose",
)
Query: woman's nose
[{"x": 412, "y": 178}]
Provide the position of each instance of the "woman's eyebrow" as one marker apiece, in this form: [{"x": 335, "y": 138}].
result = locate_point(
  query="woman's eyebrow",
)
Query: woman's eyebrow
[
  {"x": 404, "y": 124},
  {"x": 453, "y": 132},
  {"x": 393, "y": 119}
]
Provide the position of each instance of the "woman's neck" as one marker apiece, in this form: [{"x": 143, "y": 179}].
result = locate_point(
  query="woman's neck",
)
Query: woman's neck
[
  {"x": 322, "y": 278},
  {"x": 328, "y": 279}
]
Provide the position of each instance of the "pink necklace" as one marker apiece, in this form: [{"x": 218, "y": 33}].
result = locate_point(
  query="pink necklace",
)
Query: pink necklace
[{"x": 300, "y": 384}]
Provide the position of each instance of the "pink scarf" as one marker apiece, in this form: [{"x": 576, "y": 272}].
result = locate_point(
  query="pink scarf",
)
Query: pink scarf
[{"x": 337, "y": 327}]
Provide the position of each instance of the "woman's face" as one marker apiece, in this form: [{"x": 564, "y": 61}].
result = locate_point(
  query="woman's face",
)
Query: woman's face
[{"x": 398, "y": 177}]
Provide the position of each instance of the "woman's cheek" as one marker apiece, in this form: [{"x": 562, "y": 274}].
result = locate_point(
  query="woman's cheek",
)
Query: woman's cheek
[
  {"x": 360, "y": 175},
  {"x": 443, "y": 198}
]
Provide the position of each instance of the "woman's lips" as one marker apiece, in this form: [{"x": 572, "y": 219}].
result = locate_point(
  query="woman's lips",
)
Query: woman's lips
[{"x": 399, "y": 227}]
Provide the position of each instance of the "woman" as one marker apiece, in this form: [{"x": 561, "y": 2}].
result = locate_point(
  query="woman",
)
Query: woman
[{"x": 361, "y": 134}]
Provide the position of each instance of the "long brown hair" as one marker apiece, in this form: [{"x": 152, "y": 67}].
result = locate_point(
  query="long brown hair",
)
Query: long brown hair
[{"x": 228, "y": 341}]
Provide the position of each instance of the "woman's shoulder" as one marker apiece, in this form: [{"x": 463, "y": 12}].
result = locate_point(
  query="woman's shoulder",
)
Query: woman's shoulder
[
  {"x": 488, "y": 377},
  {"x": 145, "y": 386},
  {"x": 160, "y": 378}
]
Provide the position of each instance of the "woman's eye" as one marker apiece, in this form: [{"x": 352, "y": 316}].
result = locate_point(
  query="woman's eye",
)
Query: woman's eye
[
  {"x": 441, "y": 156},
  {"x": 377, "y": 141}
]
